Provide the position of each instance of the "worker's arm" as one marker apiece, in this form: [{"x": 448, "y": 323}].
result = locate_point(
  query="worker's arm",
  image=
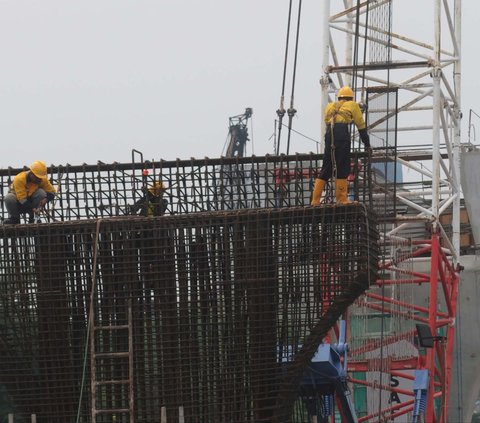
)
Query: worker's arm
[
  {"x": 49, "y": 189},
  {"x": 364, "y": 137},
  {"x": 360, "y": 123},
  {"x": 139, "y": 206},
  {"x": 357, "y": 115}
]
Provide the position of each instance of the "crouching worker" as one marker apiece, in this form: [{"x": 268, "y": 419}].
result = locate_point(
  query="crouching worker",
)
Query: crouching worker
[
  {"x": 152, "y": 203},
  {"x": 29, "y": 192}
]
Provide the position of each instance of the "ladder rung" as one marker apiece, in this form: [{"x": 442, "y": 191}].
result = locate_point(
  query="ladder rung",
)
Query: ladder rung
[
  {"x": 111, "y": 327},
  {"x": 113, "y": 382},
  {"x": 112, "y": 354},
  {"x": 112, "y": 410}
]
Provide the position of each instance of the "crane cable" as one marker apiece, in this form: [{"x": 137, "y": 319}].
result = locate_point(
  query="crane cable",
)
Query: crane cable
[
  {"x": 291, "y": 110},
  {"x": 281, "y": 109}
]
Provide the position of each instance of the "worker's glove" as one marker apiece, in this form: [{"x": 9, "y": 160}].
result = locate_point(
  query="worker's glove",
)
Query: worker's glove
[
  {"x": 50, "y": 196},
  {"x": 363, "y": 107},
  {"x": 364, "y": 137},
  {"x": 40, "y": 206}
]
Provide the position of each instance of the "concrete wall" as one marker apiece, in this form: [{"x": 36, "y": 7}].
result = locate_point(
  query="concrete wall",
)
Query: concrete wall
[{"x": 466, "y": 369}]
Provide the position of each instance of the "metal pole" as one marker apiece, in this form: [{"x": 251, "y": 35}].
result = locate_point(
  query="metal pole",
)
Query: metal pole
[
  {"x": 325, "y": 79},
  {"x": 457, "y": 74},
  {"x": 430, "y": 412},
  {"x": 436, "y": 114},
  {"x": 432, "y": 319},
  {"x": 131, "y": 402},
  {"x": 457, "y": 71},
  {"x": 349, "y": 42}
]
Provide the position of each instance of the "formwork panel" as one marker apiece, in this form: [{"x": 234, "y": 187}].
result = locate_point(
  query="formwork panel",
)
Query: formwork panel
[{"x": 228, "y": 309}]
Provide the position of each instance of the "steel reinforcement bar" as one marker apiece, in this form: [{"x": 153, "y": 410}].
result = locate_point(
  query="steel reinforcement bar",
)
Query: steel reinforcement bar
[
  {"x": 108, "y": 190},
  {"x": 228, "y": 309}
]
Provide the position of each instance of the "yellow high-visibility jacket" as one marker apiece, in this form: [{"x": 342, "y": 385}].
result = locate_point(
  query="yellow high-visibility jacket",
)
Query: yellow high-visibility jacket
[
  {"x": 344, "y": 111},
  {"x": 23, "y": 189}
]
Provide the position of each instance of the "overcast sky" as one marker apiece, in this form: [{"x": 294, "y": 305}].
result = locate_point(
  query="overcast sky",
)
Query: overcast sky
[{"x": 89, "y": 80}]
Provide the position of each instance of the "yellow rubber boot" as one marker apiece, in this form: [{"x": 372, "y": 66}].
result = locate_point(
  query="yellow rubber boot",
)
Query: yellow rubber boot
[
  {"x": 317, "y": 191},
  {"x": 341, "y": 191}
]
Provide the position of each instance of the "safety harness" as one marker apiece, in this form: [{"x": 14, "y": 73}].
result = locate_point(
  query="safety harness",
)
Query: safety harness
[{"x": 345, "y": 115}]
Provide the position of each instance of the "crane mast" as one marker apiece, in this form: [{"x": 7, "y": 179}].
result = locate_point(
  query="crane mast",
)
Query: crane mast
[
  {"x": 238, "y": 134},
  {"x": 412, "y": 88}
]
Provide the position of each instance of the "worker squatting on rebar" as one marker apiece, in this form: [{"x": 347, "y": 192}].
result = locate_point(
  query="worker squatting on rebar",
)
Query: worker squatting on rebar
[
  {"x": 336, "y": 160},
  {"x": 29, "y": 192},
  {"x": 152, "y": 203}
]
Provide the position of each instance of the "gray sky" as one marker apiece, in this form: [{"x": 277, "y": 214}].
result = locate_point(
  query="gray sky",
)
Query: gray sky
[{"x": 89, "y": 80}]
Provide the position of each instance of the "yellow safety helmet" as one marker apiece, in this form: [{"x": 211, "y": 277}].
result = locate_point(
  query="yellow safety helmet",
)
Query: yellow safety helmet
[
  {"x": 39, "y": 169},
  {"x": 156, "y": 189},
  {"x": 345, "y": 92}
]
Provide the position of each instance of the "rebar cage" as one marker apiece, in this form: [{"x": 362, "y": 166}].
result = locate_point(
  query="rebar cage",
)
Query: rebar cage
[
  {"x": 107, "y": 190},
  {"x": 226, "y": 308}
]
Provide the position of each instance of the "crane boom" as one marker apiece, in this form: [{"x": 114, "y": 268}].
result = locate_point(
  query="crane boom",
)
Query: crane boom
[{"x": 238, "y": 134}]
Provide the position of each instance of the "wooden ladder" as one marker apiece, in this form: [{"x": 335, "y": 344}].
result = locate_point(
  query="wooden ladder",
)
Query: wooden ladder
[{"x": 98, "y": 357}]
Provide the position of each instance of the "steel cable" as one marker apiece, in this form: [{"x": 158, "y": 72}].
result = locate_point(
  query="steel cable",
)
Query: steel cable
[
  {"x": 291, "y": 110},
  {"x": 281, "y": 109}
]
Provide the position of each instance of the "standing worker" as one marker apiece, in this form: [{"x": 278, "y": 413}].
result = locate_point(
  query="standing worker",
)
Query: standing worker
[
  {"x": 338, "y": 117},
  {"x": 29, "y": 192}
]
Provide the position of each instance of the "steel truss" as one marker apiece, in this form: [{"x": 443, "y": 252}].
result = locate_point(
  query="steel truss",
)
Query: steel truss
[{"x": 426, "y": 77}]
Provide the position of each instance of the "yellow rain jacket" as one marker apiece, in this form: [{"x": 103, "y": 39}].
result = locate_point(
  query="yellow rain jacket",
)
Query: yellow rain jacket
[
  {"x": 344, "y": 111},
  {"x": 23, "y": 189}
]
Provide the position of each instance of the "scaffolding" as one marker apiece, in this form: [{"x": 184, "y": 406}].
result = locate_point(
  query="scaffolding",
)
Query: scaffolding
[{"x": 410, "y": 80}]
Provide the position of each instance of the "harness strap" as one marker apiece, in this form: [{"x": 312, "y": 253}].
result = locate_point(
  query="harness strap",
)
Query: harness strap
[
  {"x": 345, "y": 115},
  {"x": 337, "y": 112}
]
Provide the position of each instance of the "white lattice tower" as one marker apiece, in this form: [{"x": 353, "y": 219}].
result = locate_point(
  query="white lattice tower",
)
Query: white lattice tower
[{"x": 410, "y": 53}]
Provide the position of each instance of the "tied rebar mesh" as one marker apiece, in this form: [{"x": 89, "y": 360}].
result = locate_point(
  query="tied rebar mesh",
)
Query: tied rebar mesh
[
  {"x": 380, "y": 27},
  {"x": 228, "y": 308},
  {"x": 386, "y": 172},
  {"x": 107, "y": 190}
]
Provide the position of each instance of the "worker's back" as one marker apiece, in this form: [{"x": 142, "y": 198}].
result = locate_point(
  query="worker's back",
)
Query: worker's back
[{"x": 344, "y": 112}]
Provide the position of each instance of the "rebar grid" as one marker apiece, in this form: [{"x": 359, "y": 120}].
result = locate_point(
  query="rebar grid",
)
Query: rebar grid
[
  {"x": 107, "y": 190},
  {"x": 228, "y": 309}
]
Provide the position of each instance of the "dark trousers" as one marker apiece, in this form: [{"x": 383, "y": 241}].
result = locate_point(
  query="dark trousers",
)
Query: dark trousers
[{"x": 341, "y": 152}]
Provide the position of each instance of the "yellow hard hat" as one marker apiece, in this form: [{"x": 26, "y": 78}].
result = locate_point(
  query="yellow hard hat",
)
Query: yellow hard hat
[
  {"x": 345, "y": 92},
  {"x": 39, "y": 169},
  {"x": 157, "y": 188}
]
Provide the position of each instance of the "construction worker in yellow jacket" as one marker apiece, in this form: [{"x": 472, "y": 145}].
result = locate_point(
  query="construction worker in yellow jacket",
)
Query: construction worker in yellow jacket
[
  {"x": 29, "y": 192},
  {"x": 152, "y": 203},
  {"x": 338, "y": 117}
]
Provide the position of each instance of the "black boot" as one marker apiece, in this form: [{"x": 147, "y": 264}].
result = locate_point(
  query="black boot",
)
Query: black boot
[{"x": 12, "y": 221}]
